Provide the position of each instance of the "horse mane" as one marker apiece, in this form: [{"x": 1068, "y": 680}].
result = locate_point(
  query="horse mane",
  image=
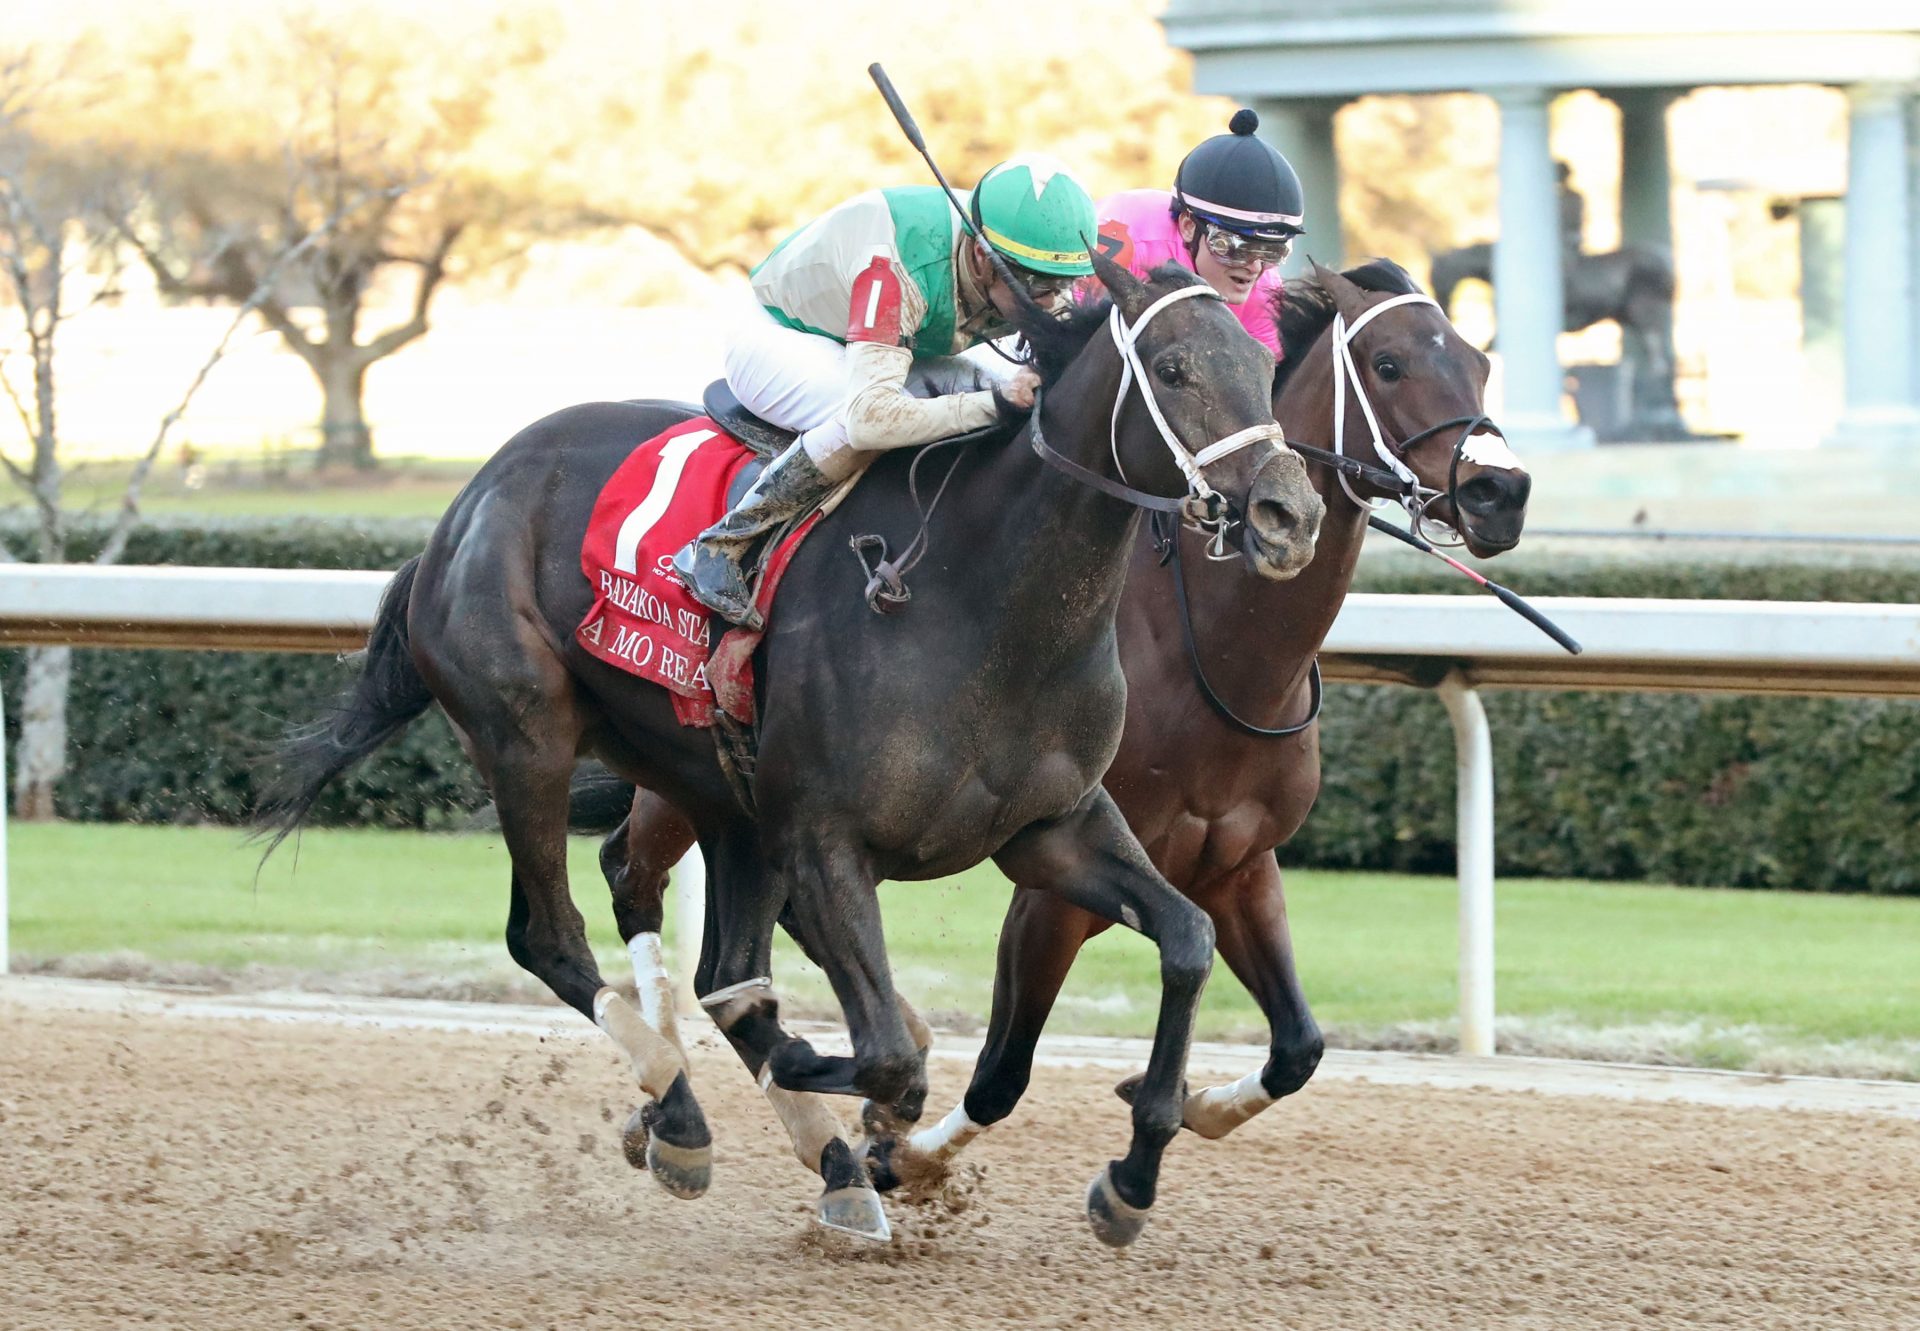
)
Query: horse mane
[
  {"x": 1056, "y": 342},
  {"x": 1306, "y": 307}
]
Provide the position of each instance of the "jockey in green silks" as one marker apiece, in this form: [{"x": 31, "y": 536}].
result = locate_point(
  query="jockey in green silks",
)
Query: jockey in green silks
[{"x": 848, "y": 304}]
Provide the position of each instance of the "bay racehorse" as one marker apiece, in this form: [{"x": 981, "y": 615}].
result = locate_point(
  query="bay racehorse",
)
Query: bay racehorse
[
  {"x": 1220, "y": 760},
  {"x": 977, "y": 723}
]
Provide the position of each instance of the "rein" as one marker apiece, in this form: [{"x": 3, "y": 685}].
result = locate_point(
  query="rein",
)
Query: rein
[
  {"x": 887, "y": 588},
  {"x": 1167, "y": 544}
]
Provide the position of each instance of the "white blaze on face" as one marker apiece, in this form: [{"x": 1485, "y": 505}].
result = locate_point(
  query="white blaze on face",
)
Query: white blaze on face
[{"x": 1490, "y": 450}]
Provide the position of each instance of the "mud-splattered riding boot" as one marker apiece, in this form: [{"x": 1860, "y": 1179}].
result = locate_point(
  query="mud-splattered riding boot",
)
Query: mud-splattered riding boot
[{"x": 709, "y": 564}]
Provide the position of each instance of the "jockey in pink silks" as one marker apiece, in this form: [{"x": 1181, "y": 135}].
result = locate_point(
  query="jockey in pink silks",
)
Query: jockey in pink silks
[{"x": 1235, "y": 208}]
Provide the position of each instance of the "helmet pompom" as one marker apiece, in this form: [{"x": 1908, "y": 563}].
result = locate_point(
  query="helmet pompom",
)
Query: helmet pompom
[{"x": 1244, "y": 121}]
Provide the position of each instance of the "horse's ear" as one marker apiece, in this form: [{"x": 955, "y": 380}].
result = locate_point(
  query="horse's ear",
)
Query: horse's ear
[
  {"x": 1347, "y": 297},
  {"x": 1128, "y": 291}
]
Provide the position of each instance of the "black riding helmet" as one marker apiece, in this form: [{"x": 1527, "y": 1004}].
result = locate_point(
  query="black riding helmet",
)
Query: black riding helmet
[{"x": 1241, "y": 183}]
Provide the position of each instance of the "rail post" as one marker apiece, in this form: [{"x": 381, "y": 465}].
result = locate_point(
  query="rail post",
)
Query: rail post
[
  {"x": 689, "y": 921},
  {"x": 1473, "y": 776}
]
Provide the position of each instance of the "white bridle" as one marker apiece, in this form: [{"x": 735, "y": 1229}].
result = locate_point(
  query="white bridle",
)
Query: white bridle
[
  {"x": 1125, "y": 339},
  {"x": 1344, "y": 372}
]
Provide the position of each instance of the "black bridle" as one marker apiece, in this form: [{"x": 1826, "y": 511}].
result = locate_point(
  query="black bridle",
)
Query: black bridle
[
  {"x": 1166, "y": 543},
  {"x": 1390, "y": 485}
]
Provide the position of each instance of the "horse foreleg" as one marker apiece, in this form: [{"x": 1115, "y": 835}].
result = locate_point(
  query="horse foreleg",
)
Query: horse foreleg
[
  {"x": 1092, "y": 860},
  {"x": 1039, "y": 940},
  {"x": 834, "y": 914},
  {"x": 1249, "y": 913}
]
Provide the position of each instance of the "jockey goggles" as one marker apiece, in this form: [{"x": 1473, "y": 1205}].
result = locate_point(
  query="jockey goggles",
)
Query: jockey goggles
[
  {"x": 1231, "y": 247},
  {"x": 1047, "y": 289}
]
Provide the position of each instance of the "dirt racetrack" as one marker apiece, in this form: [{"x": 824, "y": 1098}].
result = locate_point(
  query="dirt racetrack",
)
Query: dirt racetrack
[{"x": 241, "y": 1174}]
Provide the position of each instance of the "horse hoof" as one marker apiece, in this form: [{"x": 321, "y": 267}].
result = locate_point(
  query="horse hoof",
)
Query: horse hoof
[
  {"x": 877, "y": 1156},
  {"x": 684, "y": 1171},
  {"x": 856, "y": 1211},
  {"x": 1115, "y": 1223},
  {"x": 634, "y": 1138}
]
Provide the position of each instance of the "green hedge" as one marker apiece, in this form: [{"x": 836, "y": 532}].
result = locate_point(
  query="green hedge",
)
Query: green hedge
[
  {"x": 1818, "y": 794},
  {"x": 1761, "y": 792},
  {"x": 169, "y": 736}
]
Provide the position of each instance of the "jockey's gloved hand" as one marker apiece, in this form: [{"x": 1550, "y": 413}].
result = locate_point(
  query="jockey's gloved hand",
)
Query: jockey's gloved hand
[{"x": 1014, "y": 398}]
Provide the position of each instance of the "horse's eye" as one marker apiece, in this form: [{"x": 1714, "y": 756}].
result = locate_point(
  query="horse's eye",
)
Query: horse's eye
[
  {"x": 1171, "y": 373},
  {"x": 1386, "y": 367}
]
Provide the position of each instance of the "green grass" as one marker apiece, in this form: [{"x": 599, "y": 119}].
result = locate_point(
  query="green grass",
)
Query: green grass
[{"x": 1767, "y": 979}]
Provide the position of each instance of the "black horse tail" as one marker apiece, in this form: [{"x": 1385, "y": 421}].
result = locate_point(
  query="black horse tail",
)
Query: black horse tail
[{"x": 384, "y": 700}]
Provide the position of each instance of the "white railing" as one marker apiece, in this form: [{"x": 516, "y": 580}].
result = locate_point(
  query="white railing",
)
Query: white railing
[{"x": 1452, "y": 644}]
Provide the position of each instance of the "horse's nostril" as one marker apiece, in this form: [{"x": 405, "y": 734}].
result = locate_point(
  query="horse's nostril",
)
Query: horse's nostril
[
  {"x": 1495, "y": 491},
  {"x": 1272, "y": 519}
]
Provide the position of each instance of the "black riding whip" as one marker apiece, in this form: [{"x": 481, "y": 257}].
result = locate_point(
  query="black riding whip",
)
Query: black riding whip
[
  {"x": 911, "y": 129},
  {"x": 1512, "y": 600}
]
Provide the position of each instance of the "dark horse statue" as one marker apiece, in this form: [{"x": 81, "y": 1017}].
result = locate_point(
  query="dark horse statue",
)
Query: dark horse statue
[
  {"x": 975, "y": 724},
  {"x": 1220, "y": 760},
  {"x": 1634, "y": 287}
]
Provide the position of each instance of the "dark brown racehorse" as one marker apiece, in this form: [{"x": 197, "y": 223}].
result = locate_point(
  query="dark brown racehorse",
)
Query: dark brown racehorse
[
  {"x": 1203, "y": 782},
  {"x": 977, "y": 723}
]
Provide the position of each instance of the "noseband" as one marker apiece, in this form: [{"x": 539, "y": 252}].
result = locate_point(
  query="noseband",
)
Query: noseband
[
  {"x": 1202, "y": 509},
  {"x": 1396, "y": 478}
]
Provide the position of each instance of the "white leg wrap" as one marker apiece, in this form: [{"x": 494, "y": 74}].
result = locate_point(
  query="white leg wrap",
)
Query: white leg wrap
[
  {"x": 945, "y": 1139},
  {"x": 806, "y": 1117},
  {"x": 653, "y": 985},
  {"x": 656, "y": 1060},
  {"x": 1218, "y": 1110}
]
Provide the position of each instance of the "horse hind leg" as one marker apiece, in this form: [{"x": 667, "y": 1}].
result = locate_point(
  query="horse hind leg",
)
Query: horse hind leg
[
  {"x": 637, "y": 858},
  {"x": 522, "y": 722}
]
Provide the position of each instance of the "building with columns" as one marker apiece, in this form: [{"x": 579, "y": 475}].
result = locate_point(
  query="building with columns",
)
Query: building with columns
[{"x": 1299, "y": 62}]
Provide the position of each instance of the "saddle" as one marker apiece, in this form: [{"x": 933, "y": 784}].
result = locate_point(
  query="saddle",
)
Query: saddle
[{"x": 768, "y": 441}]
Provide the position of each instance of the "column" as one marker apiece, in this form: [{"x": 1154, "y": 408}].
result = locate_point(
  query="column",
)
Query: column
[
  {"x": 1878, "y": 316},
  {"x": 1303, "y": 132},
  {"x": 1646, "y": 222},
  {"x": 1646, "y": 178},
  {"x": 1528, "y": 299},
  {"x": 1913, "y": 230}
]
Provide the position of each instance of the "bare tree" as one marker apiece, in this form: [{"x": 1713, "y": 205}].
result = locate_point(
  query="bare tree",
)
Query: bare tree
[
  {"x": 45, "y": 247},
  {"x": 209, "y": 210},
  {"x": 59, "y": 257}
]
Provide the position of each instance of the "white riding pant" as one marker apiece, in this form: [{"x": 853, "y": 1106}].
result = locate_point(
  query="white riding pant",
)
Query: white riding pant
[{"x": 798, "y": 381}]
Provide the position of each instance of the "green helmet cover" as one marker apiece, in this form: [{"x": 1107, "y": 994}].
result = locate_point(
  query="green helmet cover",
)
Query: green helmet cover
[{"x": 1036, "y": 215}]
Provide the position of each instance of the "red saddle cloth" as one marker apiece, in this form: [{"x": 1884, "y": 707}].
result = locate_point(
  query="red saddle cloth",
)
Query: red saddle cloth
[{"x": 668, "y": 491}]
